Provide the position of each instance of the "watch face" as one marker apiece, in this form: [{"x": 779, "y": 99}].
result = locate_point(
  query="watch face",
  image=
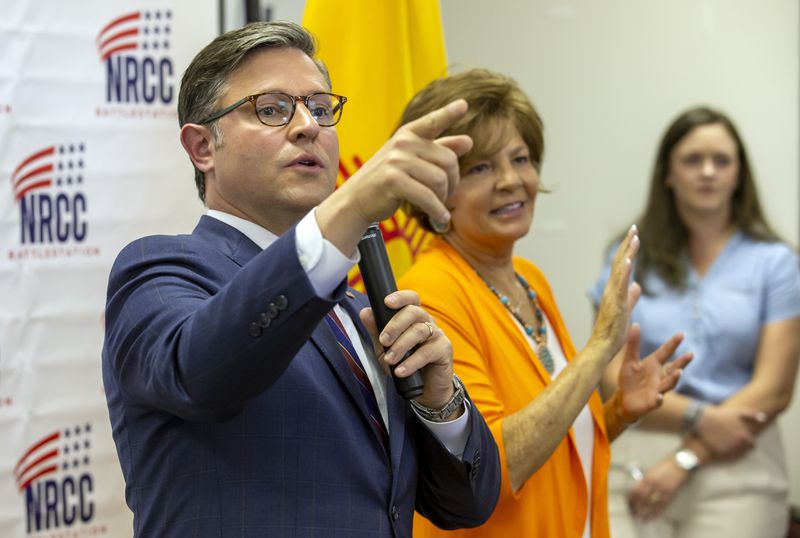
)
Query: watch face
[{"x": 686, "y": 459}]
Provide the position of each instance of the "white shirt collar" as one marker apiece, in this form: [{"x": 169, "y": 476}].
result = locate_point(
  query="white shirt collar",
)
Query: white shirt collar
[{"x": 258, "y": 235}]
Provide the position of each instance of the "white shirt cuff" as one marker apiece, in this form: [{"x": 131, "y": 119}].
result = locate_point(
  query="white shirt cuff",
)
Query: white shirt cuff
[
  {"x": 324, "y": 264},
  {"x": 452, "y": 434}
]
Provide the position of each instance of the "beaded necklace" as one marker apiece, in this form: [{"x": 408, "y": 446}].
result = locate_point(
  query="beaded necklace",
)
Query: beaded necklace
[{"x": 540, "y": 336}]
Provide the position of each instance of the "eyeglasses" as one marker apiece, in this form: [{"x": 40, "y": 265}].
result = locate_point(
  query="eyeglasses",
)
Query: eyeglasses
[{"x": 277, "y": 108}]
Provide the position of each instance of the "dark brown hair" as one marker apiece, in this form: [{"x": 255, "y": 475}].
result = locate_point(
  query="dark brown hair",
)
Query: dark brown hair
[
  {"x": 663, "y": 233},
  {"x": 206, "y": 79}
]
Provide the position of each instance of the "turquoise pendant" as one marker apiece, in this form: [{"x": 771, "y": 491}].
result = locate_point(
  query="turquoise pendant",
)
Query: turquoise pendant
[{"x": 546, "y": 358}]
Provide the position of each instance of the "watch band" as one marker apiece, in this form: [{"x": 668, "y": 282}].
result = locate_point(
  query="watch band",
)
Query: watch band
[
  {"x": 692, "y": 414},
  {"x": 441, "y": 414}
]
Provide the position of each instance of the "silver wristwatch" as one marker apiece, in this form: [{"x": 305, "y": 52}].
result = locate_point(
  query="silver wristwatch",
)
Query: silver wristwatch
[
  {"x": 441, "y": 414},
  {"x": 687, "y": 459}
]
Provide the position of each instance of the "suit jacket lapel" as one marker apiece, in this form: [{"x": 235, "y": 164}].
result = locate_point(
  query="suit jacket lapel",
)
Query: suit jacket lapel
[
  {"x": 396, "y": 408},
  {"x": 394, "y": 405}
]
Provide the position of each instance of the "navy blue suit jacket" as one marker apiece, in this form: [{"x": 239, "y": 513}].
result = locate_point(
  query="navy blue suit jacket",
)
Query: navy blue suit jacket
[{"x": 234, "y": 414}]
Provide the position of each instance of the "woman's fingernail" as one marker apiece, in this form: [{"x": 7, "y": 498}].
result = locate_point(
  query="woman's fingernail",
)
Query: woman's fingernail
[
  {"x": 389, "y": 356},
  {"x": 400, "y": 370},
  {"x": 438, "y": 227}
]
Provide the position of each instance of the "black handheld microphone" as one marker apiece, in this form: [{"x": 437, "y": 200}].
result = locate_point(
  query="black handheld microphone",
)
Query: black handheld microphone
[{"x": 379, "y": 282}]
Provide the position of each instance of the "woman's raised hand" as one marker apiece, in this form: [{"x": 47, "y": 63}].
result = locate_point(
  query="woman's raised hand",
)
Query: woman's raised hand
[
  {"x": 642, "y": 382},
  {"x": 619, "y": 297}
]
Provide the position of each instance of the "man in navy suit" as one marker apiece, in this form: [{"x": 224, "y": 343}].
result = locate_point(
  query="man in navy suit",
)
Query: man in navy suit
[{"x": 234, "y": 409}]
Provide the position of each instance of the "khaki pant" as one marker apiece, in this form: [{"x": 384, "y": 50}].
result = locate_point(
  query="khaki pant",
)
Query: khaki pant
[{"x": 743, "y": 498}]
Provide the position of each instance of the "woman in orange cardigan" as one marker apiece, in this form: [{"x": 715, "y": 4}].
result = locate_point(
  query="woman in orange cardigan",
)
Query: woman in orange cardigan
[{"x": 511, "y": 348}]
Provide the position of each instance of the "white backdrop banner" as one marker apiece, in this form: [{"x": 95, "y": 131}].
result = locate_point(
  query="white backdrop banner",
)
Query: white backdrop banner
[{"x": 89, "y": 160}]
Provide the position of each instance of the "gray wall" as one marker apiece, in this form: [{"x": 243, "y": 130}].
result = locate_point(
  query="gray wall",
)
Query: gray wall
[{"x": 607, "y": 76}]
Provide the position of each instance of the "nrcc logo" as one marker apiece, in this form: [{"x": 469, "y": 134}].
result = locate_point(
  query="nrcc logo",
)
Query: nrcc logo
[
  {"x": 48, "y": 187},
  {"x": 134, "y": 49},
  {"x": 53, "y": 477}
]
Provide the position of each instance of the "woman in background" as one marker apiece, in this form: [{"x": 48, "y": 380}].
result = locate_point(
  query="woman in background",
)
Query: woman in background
[
  {"x": 510, "y": 345},
  {"x": 710, "y": 462}
]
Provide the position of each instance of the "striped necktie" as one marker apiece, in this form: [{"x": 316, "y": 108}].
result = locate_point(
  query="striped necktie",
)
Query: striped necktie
[{"x": 351, "y": 357}]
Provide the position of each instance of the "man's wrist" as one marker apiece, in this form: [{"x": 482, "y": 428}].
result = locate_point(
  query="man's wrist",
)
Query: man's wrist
[
  {"x": 448, "y": 410},
  {"x": 339, "y": 224}
]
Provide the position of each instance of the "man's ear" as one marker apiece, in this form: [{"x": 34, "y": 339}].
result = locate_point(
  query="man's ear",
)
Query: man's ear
[{"x": 199, "y": 144}]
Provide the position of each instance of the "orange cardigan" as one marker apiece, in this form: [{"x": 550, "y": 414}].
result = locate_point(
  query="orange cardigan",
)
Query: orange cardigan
[{"x": 502, "y": 375}]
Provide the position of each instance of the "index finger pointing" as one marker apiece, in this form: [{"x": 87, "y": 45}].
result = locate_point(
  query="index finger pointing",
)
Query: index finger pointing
[{"x": 434, "y": 123}]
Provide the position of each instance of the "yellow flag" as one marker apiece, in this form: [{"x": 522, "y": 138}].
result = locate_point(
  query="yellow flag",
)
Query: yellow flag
[{"x": 379, "y": 54}]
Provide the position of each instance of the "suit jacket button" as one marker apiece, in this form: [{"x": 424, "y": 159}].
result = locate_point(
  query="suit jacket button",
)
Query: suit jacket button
[
  {"x": 395, "y": 513},
  {"x": 272, "y": 310},
  {"x": 281, "y": 302},
  {"x": 264, "y": 320},
  {"x": 476, "y": 463},
  {"x": 255, "y": 330}
]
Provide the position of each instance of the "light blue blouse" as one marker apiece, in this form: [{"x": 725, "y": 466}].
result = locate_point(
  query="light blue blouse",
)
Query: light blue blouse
[{"x": 750, "y": 284}]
